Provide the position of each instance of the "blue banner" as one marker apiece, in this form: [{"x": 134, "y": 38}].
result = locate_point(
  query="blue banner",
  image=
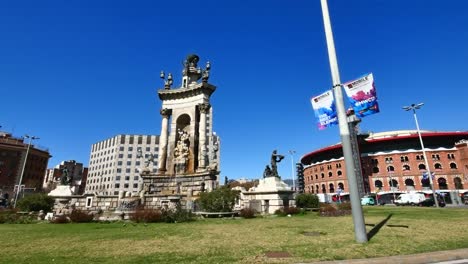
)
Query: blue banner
[
  {"x": 325, "y": 110},
  {"x": 362, "y": 95}
]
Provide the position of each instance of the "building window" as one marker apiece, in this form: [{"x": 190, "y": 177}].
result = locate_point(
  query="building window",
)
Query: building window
[
  {"x": 137, "y": 163},
  {"x": 120, "y": 156},
  {"x": 127, "y": 170},
  {"x": 89, "y": 201},
  {"x": 421, "y": 166},
  {"x": 339, "y": 173},
  {"x": 324, "y": 189},
  {"x": 129, "y": 156},
  {"x": 121, "y": 148},
  {"x": 458, "y": 183},
  {"x": 119, "y": 163},
  {"x": 390, "y": 168},
  {"x": 135, "y": 178},
  {"x": 117, "y": 178},
  {"x": 341, "y": 186},
  {"x": 130, "y": 148},
  {"x": 127, "y": 178},
  {"x": 450, "y": 156},
  {"x": 435, "y": 157},
  {"x": 316, "y": 176},
  {"x": 129, "y": 163},
  {"x": 406, "y": 167},
  {"x": 126, "y": 185},
  {"x": 331, "y": 187},
  {"x": 404, "y": 158},
  {"x": 148, "y": 149},
  {"x": 323, "y": 175},
  {"x": 409, "y": 182},
  {"x": 453, "y": 165},
  {"x": 438, "y": 166},
  {"x": 135, "y": 185},
  {"x": 117, "y": 185},
  {"x": 330, "y": 174},
  {"x": 378, "y": 184},
  {"x": 388, "y": 160},
  {"x": 375, "y": 170},
  {"x": 442, "y": 183}
]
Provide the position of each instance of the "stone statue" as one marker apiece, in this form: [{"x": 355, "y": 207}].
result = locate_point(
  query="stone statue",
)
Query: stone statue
[
  {"x": 192, "y": 60},
  {"x": 66, "y": 179},
  {"x": 181, "y": 151},
  {"x": 275, "y": 158},
  {"x": 267, "y": 172}
]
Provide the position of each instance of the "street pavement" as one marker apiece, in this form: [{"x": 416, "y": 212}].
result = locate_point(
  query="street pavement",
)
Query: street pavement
[{"x": 458, "y": 256}]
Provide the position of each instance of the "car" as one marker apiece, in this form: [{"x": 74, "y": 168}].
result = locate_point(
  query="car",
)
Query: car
[
  {"x": 465, "y": 198},
  {"x": 430, "y": 202},
  {"x": 367, "y": 200}
]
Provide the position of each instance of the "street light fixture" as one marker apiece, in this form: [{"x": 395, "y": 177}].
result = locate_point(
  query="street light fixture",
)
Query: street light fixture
[
  {"x": 413, "y": 107},
  {"x": 292, "y": 152},
  {"x": 31, "y": 138}
]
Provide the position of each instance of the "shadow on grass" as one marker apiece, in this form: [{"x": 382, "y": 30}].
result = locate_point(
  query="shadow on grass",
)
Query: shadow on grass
[{"x": 377, "y": 227}]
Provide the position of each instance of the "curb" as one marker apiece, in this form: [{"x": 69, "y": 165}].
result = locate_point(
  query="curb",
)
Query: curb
[{"x": 422, "y": 258}]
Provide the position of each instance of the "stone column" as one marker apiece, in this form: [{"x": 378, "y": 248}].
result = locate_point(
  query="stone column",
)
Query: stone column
[
  {"x": 204, "y": 108},
  {"x": 165, "y": 113}
]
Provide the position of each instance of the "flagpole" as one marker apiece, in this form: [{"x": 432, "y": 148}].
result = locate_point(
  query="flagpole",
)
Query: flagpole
[{"x": 356, "y": 208}]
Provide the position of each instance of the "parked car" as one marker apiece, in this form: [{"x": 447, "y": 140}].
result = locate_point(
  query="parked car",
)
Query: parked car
[
  {"x": 410, "y": 199},
  {"x": 367, "y": 200},
  {"x": 465, "y": 198},
  {"x": 430, "y": 202}
]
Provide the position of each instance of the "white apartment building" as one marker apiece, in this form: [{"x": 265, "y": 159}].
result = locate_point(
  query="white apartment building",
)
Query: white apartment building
[{"x": 115, "y": 162}]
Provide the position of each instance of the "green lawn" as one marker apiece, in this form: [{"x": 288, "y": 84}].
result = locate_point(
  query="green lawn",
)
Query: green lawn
[{"x": 236, "y": 240}]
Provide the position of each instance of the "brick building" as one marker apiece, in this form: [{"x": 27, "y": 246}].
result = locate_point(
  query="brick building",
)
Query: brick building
[
  {"x": 393, "y": 161},
  {"x": 12, "y": 156}
]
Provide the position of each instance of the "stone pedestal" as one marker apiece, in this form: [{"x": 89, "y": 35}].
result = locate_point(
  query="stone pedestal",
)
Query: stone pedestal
[
  {"x": 63, "y": 191},
  {"x": 270, "y": 195}
]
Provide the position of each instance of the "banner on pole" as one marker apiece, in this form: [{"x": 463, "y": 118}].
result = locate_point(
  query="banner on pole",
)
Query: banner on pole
[
  {"x": 325, "y": 110},
  {"x": 362, "y": 95}
]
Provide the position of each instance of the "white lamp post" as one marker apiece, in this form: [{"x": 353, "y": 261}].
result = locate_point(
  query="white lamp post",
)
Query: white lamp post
[
  {"x": 31, "y": 138},
  {"x": 292, "y": 152},
  {"x": 428, "y": 171}
]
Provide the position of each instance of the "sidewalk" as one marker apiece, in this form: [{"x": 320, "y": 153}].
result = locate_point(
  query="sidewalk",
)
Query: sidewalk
[{"x": 423, "y": 258}]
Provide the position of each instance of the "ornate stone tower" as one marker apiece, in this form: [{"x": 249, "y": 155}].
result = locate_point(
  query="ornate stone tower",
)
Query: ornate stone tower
[{"x": 188, "y": 148}]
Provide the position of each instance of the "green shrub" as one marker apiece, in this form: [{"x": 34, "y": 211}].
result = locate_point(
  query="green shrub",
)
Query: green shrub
[
  {"x": 292, "y": 210},
  {"x": 36, "y": 202},
  {"x": 334, "y": 209},
  {"x": 307, "y": 200},
  {"x": 142, "y": 215},
  {"x": 178, "y": 215},
  {"x": 78, "y": 216},
  {"x": 247, "y": 213},
  {"x": 60, "y": 219},
  {"x": 219, "y": 200},
  {"x": 344, "y": 206}
]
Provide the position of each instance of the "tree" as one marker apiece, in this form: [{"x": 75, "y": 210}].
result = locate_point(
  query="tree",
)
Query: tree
[
  {"x": 306, "y": 200},
  {"x": 218, "y": 200},
  {"x": 36, "y": 202}
]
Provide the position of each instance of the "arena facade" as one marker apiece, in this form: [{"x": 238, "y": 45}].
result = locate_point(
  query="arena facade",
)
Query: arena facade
[{"x": 393, "y": 162}]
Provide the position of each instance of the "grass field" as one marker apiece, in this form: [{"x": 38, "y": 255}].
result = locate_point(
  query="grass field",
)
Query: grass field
[{"x": 306, "y": 238}]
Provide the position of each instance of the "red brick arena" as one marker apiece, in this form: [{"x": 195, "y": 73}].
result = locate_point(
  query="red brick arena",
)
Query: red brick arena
[{"x": 392, "y": 162}]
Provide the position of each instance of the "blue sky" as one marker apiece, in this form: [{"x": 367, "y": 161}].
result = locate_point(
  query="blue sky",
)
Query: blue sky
[{"x": 77, "y": 72}]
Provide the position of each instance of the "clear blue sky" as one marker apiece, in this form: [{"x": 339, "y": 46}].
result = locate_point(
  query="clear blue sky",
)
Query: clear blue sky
[{"x": 77, "y": 72}]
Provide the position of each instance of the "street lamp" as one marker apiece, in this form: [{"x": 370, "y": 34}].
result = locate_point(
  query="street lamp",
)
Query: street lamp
[
  {"x": 413, "y": 107},
  {"x": 292, "y": 152},
  {"x": 31, "y": 138}
]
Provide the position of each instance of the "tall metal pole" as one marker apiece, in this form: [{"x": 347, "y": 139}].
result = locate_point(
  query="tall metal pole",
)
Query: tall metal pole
[
  {"x": 292, "y": 152},
  {"x": 358, "y": 216},
  {"x": 428, "y": 170},
  {"x": 22, "y": 169}
]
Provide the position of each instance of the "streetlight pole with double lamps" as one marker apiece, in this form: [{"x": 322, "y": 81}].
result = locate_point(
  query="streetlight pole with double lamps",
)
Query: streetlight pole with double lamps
[
  {"x": 413, "y": 107},
  {"x": 31, "y": 138},
  {"x": 292, "y": 152}
]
